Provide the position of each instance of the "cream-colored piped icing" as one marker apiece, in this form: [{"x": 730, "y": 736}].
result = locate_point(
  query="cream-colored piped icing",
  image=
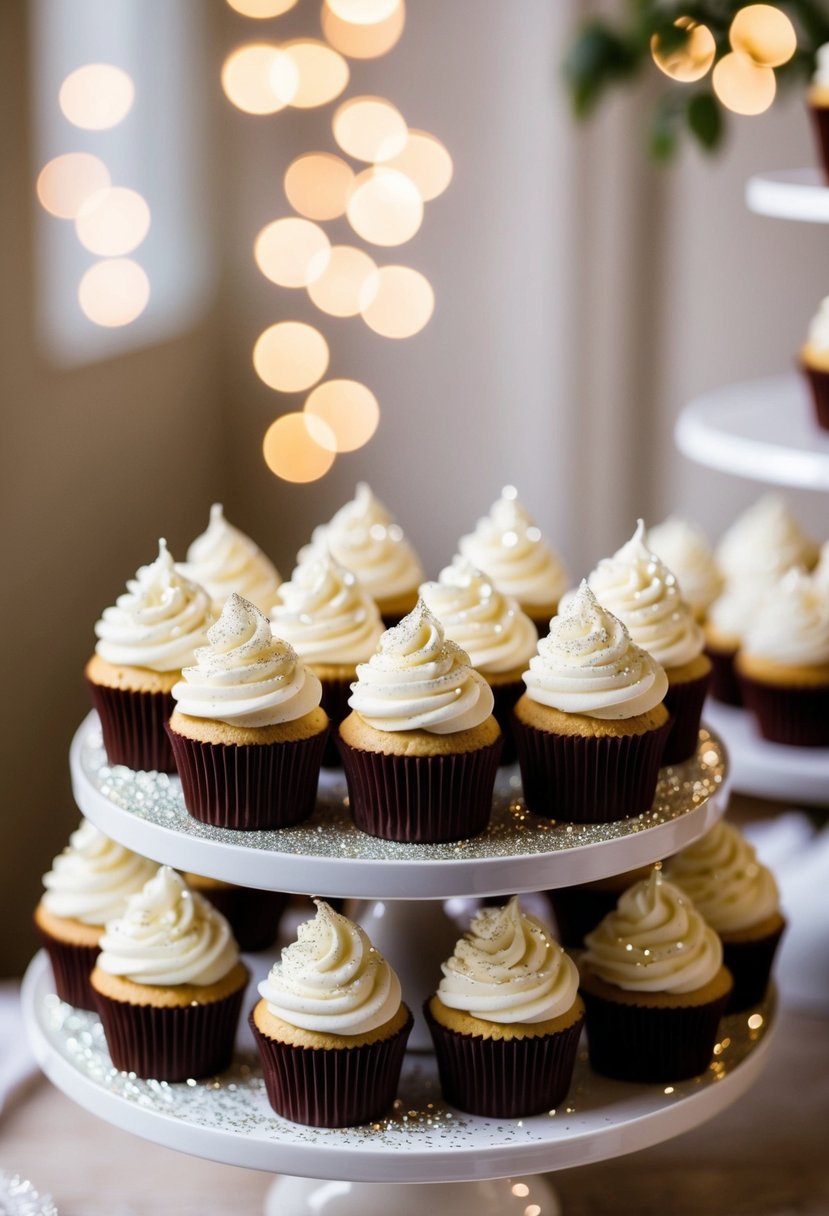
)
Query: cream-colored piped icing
[
  {"x": 508, "y": 968},
  {"x": 685, "y": 550},
  {"x": 764, "y": 542},
  {"x": 819, "y": 327},
  {"x": 638, "y": 588},
  {"x": 587, "y": 664},
  {"x": 733, "y": 610},
  {"x": 820, "y": 78},
  {"x": 654, "y": 941},
  {"x": 417, "y": 680},
  {"x": 791, "y": 625},
  {"x": 820, "y": 574},
  {"x": 508, "y": 546},
  {"x": 331, "y": 979},
  {"x": 168, "y": 935},
  {"x": 245, "y": 676},
  {"x": 158, "y": 621},
  {"x": 223, "y": 560},
  {"x": 363, "y": 537},
  {"x": 488, "y": 625},
  {"x": 93, "y": 876},
  {"x": 722, "y": 876},
  {"x": 326, "y": 615}
]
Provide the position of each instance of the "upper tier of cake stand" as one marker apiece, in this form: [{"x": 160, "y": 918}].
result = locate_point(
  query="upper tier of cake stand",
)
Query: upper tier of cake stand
[
  {"x": 328, "y": 855},
  {"x": 790, "y": 194}
]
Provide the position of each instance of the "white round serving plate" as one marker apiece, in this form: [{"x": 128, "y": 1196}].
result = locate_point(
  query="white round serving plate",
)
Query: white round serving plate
[
  {"x": 328, "y": 855},
  {"x": 790, "y": 194},
  {"x": 796, "y": 775},
  {"x": 229, "y": 1119}
]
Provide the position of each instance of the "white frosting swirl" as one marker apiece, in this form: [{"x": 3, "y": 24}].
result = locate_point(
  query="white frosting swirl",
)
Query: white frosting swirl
[
  {"x": 819, "y": 326},
  {"x": 331, "y": 979},
  {"x": 489, "y": 626},
  {"x": 820, "y": 574},
  {"x": 685, "y": 550},
  {"x": 508, "y": 546},
  {"x": 654, "y": 941},
  {"x": 791, "y": 625},
  {"x": 764, "y": 542},
  {"x": 224, "y": 560},
  {"x": 91, "y": 879},
  {"x": 419, "y": 681},
  {"x": 246, "y": 676},
  {"x": 820, "y": 79},
  {"x": 732, "y": 612},
  {"x": 507, "y": 968},
  {"x": 168, "y": 935},
  {"x": 720, "y": 873},
  {"x": 587, "y": 664},
  {"x": 159, "y": 620},
  {"x": 643, "y": 593},
  {"x": 363, "y": 537},
  {"x": 326, "y": 615}
]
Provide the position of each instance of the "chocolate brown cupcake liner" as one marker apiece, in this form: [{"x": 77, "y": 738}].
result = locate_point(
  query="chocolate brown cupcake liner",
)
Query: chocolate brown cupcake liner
[
  {"x": 750, "y": 964},
  {"x": 335, "y": 694},
  {"x": 421, "y": 799},
  {"x": 332, "y": 1087},
  {"x": 582, "y": 779},
  {"x": 170, "y": 1044},
  {"x": 71, "y": 966},
  {"x": 577, "y": 911},
  {"x": 819, "y": 387},
  {"x": 249, "y": 787},
  {"x": 820, "y": 123},
  {"x": 798, "y": 717},
  {"x": 724, "y": 686},
  {"x": 253, "y": 915},
  {"x": 684, "y": 703},
  {"x": 506, "y": 696},
  {"x": 504, "y": 1078},
  {"x": 133, "y": 725}
]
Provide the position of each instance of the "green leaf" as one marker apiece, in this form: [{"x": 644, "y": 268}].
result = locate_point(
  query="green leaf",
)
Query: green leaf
[
  {"x": 705, "y": 120},
  {"x": 597, "y": 58}
]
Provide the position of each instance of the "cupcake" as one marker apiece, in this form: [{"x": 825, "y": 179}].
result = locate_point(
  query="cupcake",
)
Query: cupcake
[
  {"x": 420, "y": 749},
  {"x": 224, "y": 560},
  {"x": 330, "y": 1026},
  {"x": 168, "y": 984},
  {"x": 814, "y": 356},
  {"x": 817, "y": 100},
  {"x": 88, "y": 884},
  {"x": 506, "y": 1017},
  {"x": 253, "y": 915},
  {"x": 591, "y": 727},
  {"x": 509, "y": 548},
  {"x": 247, "y": 733},
  {"x": 654, "y": 986},
  {"x": 783, "y": 666},
  {"x": 685, "y": 550},
  {"x": 333, "y": 624},
  {"x": 579, "y": 909},
  {"x": 499, "y": 638},
  {"x": 737, "y": 896},
  {"x": 363, "y": 537},
  {"x": 144, "y": 640},
  {"x": 638, "y": 588},
  {"x": 820, "y": 574},
  {"x": 728, "y": 619}
]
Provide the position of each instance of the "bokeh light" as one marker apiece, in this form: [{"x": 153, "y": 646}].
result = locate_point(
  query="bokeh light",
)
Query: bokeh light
[
  {"x": 299, "y": 447},
  {"x": 322, "y": 72},
  {"x": 384, "y": 206},
  {"x": 259, "y": 78},
  {"x": 349, "y": 408},
  {"x": 113, "y": 221},
  {"x": 96, "y": 96},
  {"x": 742, "y": 85},
  {"x": 261, "y": 9},
  {"x": 369, "y": 128},
  {"x": 690, "y": 61},
  {"x": 403, "y": 302},
  {"x": 362, "y": 12},
  {"x": 426, "y": 161},
  {"x": 363, "y": 41},
  {"x": 114, "y": 292},
  {"x": 347, "y": 283},
  {"x": 764, "y": 33},
  {"x": 66, "y": 182},
  {"x": 291, "y": 252},
  {"x": 290, "y": 356},
  {"x": 317, "y": 185}
]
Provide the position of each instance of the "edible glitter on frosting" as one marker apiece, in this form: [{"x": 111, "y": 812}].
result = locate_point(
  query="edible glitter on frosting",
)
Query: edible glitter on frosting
[
  {"x": 223, "y": 560},
  {"x": 685, "y": 550},
  {"x": 721, "y": 874},
  {"x": 791, "y": 624},
  {"x": 91, "y": 879},
  {"x": 326, "y": 615}
]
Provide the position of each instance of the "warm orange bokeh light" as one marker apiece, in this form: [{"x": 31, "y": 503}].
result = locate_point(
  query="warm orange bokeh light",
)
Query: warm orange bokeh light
[
  {"x": 114, "y": 292},
  {"x": 691, "y": 61},
  {"x": 321, "y": 71},
  {"x": 344, "y": 287},
  {"x": 426, "y": 161},
  {"x": 362, "y": 12},
  {"x": 259, "y": 78},
  {"x": 261, "y": 9},
  {"x": 764, "y": 33},
  {"x": 66, "y": 182},
  {"x": 403, "y": 303},
  {"x": 317, "y": 185},
  {"x": 291, "y": 252},
  {"x": 384, "y": 206},
  {"x": 363, "y": 41},
  {"x": 369, "y": 128},
  {"x": 290, "y": 356},
  {"x": 350, "y": 410},
  {"x": 299, "y": 447},
  {"x": 742, "y": 85},
  {"x": 113, "y": 222},
  {"x": 96, "y": 96}
]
